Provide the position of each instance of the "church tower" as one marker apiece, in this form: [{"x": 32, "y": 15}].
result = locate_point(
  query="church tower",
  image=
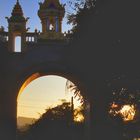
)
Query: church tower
[
  {"x": 17, "y": 28},
  {"x": 51, "y": 13}
]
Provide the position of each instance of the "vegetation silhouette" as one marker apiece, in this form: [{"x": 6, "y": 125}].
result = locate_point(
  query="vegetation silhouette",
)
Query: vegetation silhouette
[
  {"x": 55, "y": 123},
  {"x": 105, "y": 45},
  {"x": 130, "y": 120}
]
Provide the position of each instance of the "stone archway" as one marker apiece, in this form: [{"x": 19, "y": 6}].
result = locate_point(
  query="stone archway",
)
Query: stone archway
[
  {"x": 25, "y": 67},
  {"x": 64, "y": 75}
]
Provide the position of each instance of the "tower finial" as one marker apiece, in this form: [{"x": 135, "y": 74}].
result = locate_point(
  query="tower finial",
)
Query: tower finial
[{"x": 17, "y": 13}]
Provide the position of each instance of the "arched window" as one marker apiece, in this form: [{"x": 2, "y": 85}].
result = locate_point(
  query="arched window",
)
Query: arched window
[{"x": 17, "y": 44}]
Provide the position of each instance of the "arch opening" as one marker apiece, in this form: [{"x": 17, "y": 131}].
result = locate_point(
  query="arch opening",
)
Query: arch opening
[
  {"x": 39, "y": 92},
  {"x": 17, "y": 44}
]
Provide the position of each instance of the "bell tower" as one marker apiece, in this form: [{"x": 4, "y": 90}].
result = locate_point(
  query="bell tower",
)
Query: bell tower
[
  {"x": 17, "y": 28},
  {"x": 51, "y": 13}
]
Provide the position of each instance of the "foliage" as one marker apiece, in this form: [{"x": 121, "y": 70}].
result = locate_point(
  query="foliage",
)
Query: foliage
[
  {"x": 73, "y": 88},
  {"x": 81, "y": 8},
  {"x": 106, "y": 37},
  {"x": 125, "y": 110},
  {"x": 126, "y": 96},
  {"x": 55, "y": 123},
  {"x": 104, "y": 42}
]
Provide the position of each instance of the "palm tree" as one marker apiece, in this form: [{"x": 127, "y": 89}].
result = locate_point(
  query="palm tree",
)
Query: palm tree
[{"x": 72, "y": 88}]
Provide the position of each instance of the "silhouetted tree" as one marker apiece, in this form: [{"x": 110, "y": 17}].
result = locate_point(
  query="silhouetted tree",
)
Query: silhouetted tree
[
  {"x": 106, "y": 38},
  {"x": 55, "y": 123},
  {"x": 71, "y": 87},
  {"x": 81, "y": 9},
  {"x": 126, "y": 97},
  {"x": 105, "y": 42}
]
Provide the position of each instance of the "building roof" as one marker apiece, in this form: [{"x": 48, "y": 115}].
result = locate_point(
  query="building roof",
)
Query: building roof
[
  {"x": 51, "y": 4},
  {"x": 17, "y": 13},
  {"x": 51, "y": 8}
]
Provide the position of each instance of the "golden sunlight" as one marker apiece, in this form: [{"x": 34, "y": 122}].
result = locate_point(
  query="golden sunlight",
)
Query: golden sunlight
[
  {"x": 114, "y": 105},
  {"x": 79, "y": 117},
  {"x": 128, "y": 112}
]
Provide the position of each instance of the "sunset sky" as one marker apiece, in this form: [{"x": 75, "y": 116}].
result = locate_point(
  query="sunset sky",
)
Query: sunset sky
[{"x": 42, "y": 92}]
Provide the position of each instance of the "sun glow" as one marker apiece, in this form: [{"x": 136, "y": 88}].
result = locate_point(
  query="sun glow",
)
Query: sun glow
[
  {"x": 128, "y": 112},
  {"x": 79, "y": 117}
]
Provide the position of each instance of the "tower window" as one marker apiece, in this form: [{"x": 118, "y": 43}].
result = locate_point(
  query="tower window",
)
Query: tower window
[
  {"x": 51, "y": 27},
  {"x": 17, "y": 44}
]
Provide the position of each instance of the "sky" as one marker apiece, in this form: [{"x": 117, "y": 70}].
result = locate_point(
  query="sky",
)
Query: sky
[
  {"x": 42, "y": 93},
  {"x": 30, "y": 8}
]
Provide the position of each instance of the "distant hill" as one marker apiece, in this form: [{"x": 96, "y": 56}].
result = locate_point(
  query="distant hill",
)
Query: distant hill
[{"x": 23, "y": 121}]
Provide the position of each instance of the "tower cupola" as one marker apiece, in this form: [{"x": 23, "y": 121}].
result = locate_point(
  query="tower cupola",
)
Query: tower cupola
[{"x": 51, "y": 13}]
